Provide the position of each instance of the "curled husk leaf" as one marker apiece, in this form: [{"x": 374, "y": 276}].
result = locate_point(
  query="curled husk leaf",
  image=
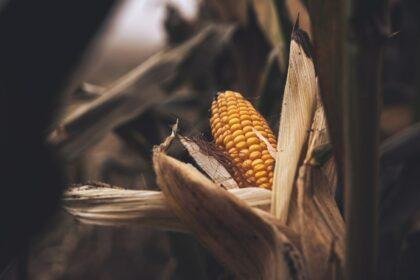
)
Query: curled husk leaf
[{"x": 239, "y": 237}]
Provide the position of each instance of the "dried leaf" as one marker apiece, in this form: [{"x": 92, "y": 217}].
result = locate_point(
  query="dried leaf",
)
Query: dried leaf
[
  {"x": 318, "y": 133},
  {"x": 168, "y": 140},
  {"x": 216, "y": 171},
  {"x": 239, "y": 238},
  {"x": 136, "y": 91},
  {"x": 313, "y": 211},
  {"x": 271, "y": 149},
  {"x": 270, "y": 24},
  {"x": 298, "y": 108},
  {"x": 116, "y": 206},
  {"x": 319, "y": 151},
  {"x": 319, "y": 223}
]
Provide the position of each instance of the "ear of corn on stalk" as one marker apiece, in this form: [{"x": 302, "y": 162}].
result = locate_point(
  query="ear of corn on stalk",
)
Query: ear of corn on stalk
[{"x": 233, "y": 122}]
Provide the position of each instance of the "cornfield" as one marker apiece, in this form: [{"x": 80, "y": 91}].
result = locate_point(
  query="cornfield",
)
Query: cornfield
[{"x": 261, "y": 139}]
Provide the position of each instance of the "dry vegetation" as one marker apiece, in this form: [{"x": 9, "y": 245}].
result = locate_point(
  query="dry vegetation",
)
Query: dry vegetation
[{"x": 142, "y": 204}]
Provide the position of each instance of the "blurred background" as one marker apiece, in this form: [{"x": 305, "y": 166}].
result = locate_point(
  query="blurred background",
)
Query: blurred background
[{"x": 152, "y": 62}]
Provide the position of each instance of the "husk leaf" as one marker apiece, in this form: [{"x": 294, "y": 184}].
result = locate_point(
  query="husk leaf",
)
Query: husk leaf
[
  {"x": 248, "y": 245},
  {"x": 110, "y": 206},
  {"x": 298, "y": 109}
]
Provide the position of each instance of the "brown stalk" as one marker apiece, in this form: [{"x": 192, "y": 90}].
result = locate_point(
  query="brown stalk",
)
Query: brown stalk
[{"x": 368, "y": 29}]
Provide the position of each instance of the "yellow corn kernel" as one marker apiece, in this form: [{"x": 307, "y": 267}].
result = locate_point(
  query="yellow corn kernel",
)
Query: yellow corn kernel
[
  {"x": 247, "y": 164},
  {"x": 233, "y": 123},
  {"x": 254, "y": 155},
  {"x": 255, "y": 147}
]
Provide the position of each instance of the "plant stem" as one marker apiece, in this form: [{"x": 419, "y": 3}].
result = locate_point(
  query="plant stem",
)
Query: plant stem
[{"x": 365, "y": 33}]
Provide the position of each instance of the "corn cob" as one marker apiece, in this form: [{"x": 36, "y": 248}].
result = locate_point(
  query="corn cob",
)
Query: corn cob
[{"x": 233, "y": 122}]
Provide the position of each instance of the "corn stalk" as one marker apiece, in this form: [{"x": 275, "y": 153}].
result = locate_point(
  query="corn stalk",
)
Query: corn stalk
[{"x": 366, "y": 33}]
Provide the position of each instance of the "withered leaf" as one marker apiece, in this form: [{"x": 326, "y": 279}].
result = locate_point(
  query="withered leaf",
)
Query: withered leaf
[
  {"x": 270, "y": 24},
  {"x": 314, "y": 214},
  {"x": 271, "y": 149},
  {"x": 117, "y": 206},
  {"x": 319, "y": 224},
  {"x": 136, "y": 91},
  {"x": 236, "y": 235},
  {"x": 299, "y": 104},
  {"x": 213, "y": 168}
]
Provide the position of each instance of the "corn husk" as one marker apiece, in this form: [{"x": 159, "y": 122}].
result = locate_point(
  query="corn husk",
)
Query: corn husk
[
  {"x": 213, "y": 167},
  {"x": 111, "y": 206},
  {"x": 298, "y": 108},
  {"x": 301, "y": 239},
  {"x": 238, "y": 236}
]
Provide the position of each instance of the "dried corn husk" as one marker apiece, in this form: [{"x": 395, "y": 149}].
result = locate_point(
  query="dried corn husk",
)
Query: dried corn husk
[
  {"x": 111, "y": 206},
  {"x": 210, "y": 164},
  {"x": 306, "y": 242},
  {"x": 296, "y": 119},
  {"x": 237, "y": 235},
  {"x": 314, "y": 213}
]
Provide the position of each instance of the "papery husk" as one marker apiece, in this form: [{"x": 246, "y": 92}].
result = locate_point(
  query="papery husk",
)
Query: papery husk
[
  {"x": 245, "y": 242},
  {"x": 303, "y": 240},
  {"x": 314, "y": 214},
  {"x": 304, "y": 183},
  {"x": 111, "y": 206},
  {"x": 298, "y": 108},
  {"x": 215, "y": 168},
  {"x": 272, "y": 150}
]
